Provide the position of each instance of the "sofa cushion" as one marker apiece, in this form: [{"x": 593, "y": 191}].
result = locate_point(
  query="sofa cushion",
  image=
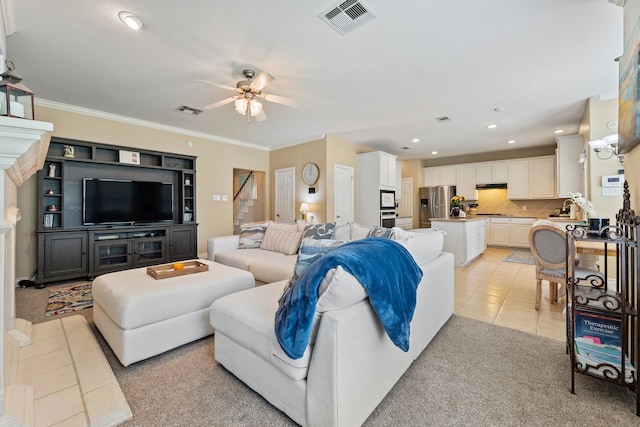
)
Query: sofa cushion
[
  {"x": 243, "y": 258},
  {"x": 319, "y": 231},
  {"x": 249, "y": 318},
  {"x": 424, "y": 245},
  {"x": 271, "y": 270},
  {"x": 251, "y": 234},
  {"x": 278, "y": 240}
]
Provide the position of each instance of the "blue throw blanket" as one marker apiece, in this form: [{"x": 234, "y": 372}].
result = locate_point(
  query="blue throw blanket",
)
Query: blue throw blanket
[{"x": 385, "y": 269}]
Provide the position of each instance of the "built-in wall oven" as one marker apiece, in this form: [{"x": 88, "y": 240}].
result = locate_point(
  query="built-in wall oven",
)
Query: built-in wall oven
[
  {"x": 388, "y": 218},
  {"x": 387, "y": 199}
]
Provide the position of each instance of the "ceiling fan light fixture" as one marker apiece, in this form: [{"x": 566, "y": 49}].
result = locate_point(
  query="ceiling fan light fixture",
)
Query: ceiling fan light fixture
[
  {"x": 255, "y": 107},
  {"x": 241, "y": 106}
]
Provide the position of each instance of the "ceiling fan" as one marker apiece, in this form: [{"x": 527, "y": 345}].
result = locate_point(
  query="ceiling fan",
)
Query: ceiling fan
[{"x": 249, "y": 93}]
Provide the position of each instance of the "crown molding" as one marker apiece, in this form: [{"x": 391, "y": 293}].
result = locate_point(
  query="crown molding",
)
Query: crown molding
[
  {"x": 618, "y": 2},
  {"x": 143, "y": 123}
]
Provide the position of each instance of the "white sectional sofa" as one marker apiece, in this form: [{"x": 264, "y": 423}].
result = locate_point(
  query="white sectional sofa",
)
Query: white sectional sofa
[
  {"x": 352, "y": 364},
  {"x": 266, "y": 266}
]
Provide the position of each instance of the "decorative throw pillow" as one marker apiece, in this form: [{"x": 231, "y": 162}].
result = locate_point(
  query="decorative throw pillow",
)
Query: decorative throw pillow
[
  {"x": 319, "y": 231},
  {"x": 251, "y": 234},
  {"x": 342, "y": 231},
  {"x": 281, "y": 241},
  {"x": 310, "y": 251},
  {"x": 382, "y": 232}
]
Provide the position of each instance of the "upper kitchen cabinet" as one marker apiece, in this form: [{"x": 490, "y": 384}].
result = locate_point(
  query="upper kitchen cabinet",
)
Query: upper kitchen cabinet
[
  {"x": 440, "y": 175},
  {"x": 466, "y": 181},
  {"x": 532, "y": 178},
  {"x": 570, "y": 172},
  {"x": 379, "y": 168},
  {"x": 492, "y": 172}
]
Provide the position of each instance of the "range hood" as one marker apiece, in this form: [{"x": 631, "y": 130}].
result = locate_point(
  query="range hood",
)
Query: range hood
[{"x": 489, "y": 186}]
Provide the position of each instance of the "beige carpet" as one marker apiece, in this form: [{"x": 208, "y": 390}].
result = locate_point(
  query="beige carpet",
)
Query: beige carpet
[{"x": 473, "y": 373}]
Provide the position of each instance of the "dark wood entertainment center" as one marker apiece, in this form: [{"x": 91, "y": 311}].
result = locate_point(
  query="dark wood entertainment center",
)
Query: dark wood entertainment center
[{"x": 69, "y": 249}]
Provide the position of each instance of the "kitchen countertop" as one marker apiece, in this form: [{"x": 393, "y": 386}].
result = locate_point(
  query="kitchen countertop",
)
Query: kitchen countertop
[
  {"x": 478, "y": 217},
  {"x": 458, "y": 219}
]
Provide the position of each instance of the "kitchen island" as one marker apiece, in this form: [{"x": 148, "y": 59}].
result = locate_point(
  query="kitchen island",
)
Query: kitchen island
[{"x": 465, "y": 237}]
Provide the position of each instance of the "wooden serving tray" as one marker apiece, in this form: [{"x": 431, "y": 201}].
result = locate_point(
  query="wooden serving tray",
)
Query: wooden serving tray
[{"x": 164, "y": 271}]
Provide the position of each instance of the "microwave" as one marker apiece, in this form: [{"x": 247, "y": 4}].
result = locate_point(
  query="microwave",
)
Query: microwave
[{"x": 387, "y": 199}]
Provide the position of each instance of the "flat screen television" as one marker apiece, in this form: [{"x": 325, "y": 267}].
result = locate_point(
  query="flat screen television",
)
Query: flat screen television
[{"x": 114, "y": 201}]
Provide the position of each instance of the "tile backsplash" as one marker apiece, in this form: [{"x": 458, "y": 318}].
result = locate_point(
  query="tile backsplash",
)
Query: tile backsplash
[{"x": 496, "y": 201}]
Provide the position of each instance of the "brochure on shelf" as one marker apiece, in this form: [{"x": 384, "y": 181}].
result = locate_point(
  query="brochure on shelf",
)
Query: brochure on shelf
[{"x": 598, "y": 341}]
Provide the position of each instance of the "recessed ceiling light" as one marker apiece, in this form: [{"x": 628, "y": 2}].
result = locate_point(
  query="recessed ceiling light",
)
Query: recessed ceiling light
[
  {"x": 415, "y": 140},
  {"x": 131, "y": 20},
  {"x": 492, "y": 126},
  {"x": 434, "y": 152},
  {"x": 512, "y": 141},
  {"x": 558, "y": 131}
]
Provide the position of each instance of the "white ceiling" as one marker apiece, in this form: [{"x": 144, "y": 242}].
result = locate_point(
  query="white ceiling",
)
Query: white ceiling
[{"x": 381, "y": 85}]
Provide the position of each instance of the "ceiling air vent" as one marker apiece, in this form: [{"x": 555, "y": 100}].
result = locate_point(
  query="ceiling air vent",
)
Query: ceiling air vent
[
  {"x": 190, "y": 110},
  {"x": 346, "y": 16},
  {"x": 443, "y": 119}
]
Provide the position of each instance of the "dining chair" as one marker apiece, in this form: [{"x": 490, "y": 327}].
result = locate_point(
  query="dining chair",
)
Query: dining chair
[{"x": 549, "y": 248}]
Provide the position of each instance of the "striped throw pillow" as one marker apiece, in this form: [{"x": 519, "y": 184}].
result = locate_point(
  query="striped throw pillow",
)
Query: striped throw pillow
[{"x": 281, "y": 241}]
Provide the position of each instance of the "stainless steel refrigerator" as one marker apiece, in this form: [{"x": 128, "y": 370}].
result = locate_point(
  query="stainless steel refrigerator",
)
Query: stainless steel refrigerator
[{"x": 434, "y": 203}]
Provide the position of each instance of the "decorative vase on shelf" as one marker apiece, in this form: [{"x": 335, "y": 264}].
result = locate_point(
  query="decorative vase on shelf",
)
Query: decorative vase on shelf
[{"x": 455, "y": 211}]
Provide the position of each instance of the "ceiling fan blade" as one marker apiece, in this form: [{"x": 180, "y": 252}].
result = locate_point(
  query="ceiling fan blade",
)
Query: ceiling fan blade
[
  {"x": 220, "y": 85},
  {"x": 261, "y": 117},
  {"x": 281, "y": 100},
  {"x": 220, "y": 103},
  {"x": 261, "y": 80}
]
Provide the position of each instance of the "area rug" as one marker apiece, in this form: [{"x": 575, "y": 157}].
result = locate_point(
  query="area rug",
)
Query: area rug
[
  {"x": 69, "y": 298},
  {"x": 522, "y": 256}
]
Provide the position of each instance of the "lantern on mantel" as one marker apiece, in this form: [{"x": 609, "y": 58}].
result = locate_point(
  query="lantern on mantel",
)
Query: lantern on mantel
[{"x": 16, "y": 100}]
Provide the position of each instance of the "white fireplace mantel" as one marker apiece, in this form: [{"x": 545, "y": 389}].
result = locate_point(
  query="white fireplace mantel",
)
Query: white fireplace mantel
[{"x": 23, "y": 149}]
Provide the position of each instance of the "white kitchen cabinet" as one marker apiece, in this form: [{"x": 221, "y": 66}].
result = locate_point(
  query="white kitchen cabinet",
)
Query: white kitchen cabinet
[
  {"x": 448, "y": 175},
  {"x": 376, "y": 171},
  {"x": 520, "y": 231},
  {"x": 542, "y": 172},
  {"x": 499, "y": 231},
  {"x": 439, "y": 175},
  {"x": 431, "y": 177},
  {"x": 466, "y": 181},
  {"x": 406, "y": 223},
  {"x": 464, "y": 239},
  {"x": 532, "y": 178},
  {"x": 518, "y": 184},
  {"x": 569, "y": 171},
  {"x": 510, "y": 231},
  {"x": 387, "y": 170},
  {"x": 492, "y": 172}
]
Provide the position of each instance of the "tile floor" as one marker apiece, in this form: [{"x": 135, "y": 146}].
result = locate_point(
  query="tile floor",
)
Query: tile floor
[
  {"x": 73, "y": 384},
  {"x": 503, "y": 293}
]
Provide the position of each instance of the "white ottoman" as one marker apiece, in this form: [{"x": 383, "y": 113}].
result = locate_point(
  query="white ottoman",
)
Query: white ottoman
[{"x": 141, "y": 317}]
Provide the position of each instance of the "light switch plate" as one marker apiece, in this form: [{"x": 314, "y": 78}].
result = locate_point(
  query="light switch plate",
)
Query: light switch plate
[{"x": 216, "y": 197}]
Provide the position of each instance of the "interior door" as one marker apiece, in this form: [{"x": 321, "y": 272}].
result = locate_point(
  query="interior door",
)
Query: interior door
[
  {"x": 285, "y": 195},
  {"x": 343, "y": 194}
]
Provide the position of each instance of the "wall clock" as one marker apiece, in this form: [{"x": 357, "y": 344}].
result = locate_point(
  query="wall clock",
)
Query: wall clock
[{"x": 310, "y": 173}]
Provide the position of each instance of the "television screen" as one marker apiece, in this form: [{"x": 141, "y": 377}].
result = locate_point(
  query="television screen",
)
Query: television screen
[{"x": 111, "y": 201}]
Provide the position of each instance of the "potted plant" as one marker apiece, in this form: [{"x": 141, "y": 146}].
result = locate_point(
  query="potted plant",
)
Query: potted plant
[{"x": 456, "y": 204}]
